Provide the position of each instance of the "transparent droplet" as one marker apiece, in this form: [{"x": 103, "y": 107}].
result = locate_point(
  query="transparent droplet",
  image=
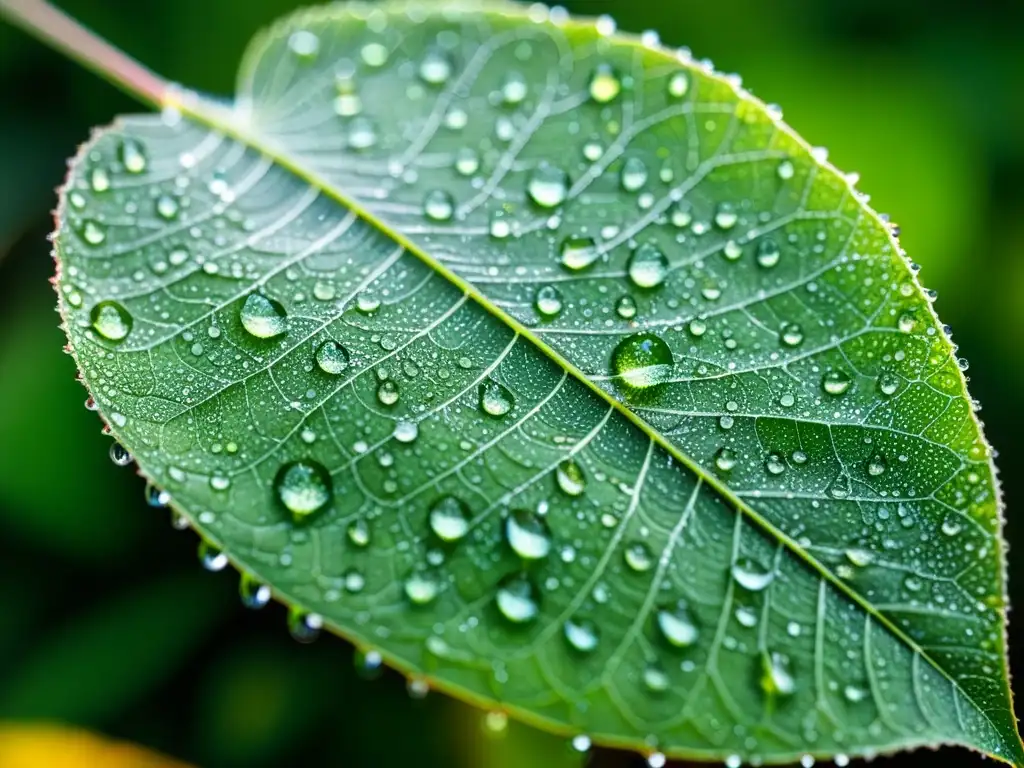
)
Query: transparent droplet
[
  {"x": 792, "y": 335},
  {"x": 548, "y": 301},
  {"x": 906, "y": 322},
  {"x": 304, "y": 44},
  {"x": 304, "y": 626},
  {"x": 119, "y": 455},
  {"x": 732, "y": 250},
  {"x": 835, "y": 383},
  {"x": 876, "y": 465},
  {"x": 93, "y": 232},
  {"x": 777, "y": 679},
  {"x": 167, "y": 207},
  {"x": 528, "y": 534},
  {"x": 625, "y": 307},
  {"x": 697, "y": 327},
  {"x": 362, "y": 133},
  {"x": 655, "y": 679},
  {"x": 495, "y": 399},
  {"x": 725, "y": 216},
  {"x": 211, "y": 558},
  {"x": 677, "y": 625},
  {"x": 642, "y": 361},
  {"x": 439, "y": 205},
  {"x": 387, "y": 392},
  {"x": 133, "y": 156},
  {"x": 304, "y": 487},
  {"x": 467, "y": 161},
  {"x": 638, "y": 557},
  {"x": 500, "y": 227},
  {"x": 436, "y": 67},
  {"x": 253, "y": 593},
  {"x": 359, "y": 532},
  {"x": 682, "y": 215},
  {"x": 570, "y": 478},
  {"x": 768, "y": 253},
  {"x": 775, "y": 464},
  {"x": 514, "y": 89},
  {"x": 605, "y": 84},
  {"x": 331, "y": 357},
  {"x": 449, "y": 519},
  {"x": 634, "y": 174},
  {"x": 548, "y": 185},
  {"x": 888, "y": 384},
  {"x": 421, "y": 587},
  {"x": 374, "y": 54},
  {"x": 518, "y": 599},
  {"x": 678, "y": 85},
  {"x": 579, "y": 252},
  {"x": 785, "y": 170},
  {"x": 751, "y": 576},
  {"x": 725, "y": 459},
  {"x": 951, "y": 525},
  {"x": 406, "y": 431},
  {"x": 746, "y": 616},
  {"x": 111, "y": 321},
  {"x": 262, "y": 317},
  {"x": 648, "y": 266},
  {"x": 581, "y": 634},
  {"x": 157, "y": 498},
  {"x": 99, "y": 179}
]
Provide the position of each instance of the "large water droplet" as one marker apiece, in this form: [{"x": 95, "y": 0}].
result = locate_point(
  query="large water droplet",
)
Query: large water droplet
[
  {"x": 725, "y": 216},
  {"x": 605, "y": 84},
  {"x": 439, "y": 205},
  {"x": 548, "y": 301},
  {"x": 725, "y": 459},
  {"x": 638, "y": 557},
  {"x": 634, "y": 174},
  {"x": 775, "y": 464},
  {"x": 262, "y": 317},
  {"x": 792, "y": 335},
  {"x": 99, "y": 179},
  {"x": 449, "y": 519},
  {"x": 625, "y": 307},
  {"x": 570, "y": 478},
  {"x": 768, "y": 253},
  {"x": 304, "y": 626},
  {"x": 877, "y": 465},
  {"x": 211, "y": 558},
  {"x": 579, "y": 252},
  {"x": 777, "y": 679},
  {"x": 835, "y": 383},
  {"x": 119, "y": 455},
  {"x": 678, "y": 85},
  {"x": 677, "y": 625},
  {"x": 648, "y": 266},
  {"x": 254, "y": 594},
  {"x": 888, "y": 383},
  {"x": 133, "y": 156},
  {"x": 495, "y": 399},
  {"x": 387, "y": 392},
  {"x": 304, "y": 487},
  {"x": 528, "y": 534},
  {"x": 467, "y": 161},
  {"x": 518, "y": 599},
  {"x": 655, "y": 679},
  {"x": 514, "y": 89},
  {"x": 111, "y": 321},
  {"x": 548, "y": 185},
  {"x": 93, "y": 232},
  {"x": 332, "y": 357},
  {"x": 642, "y": 360},
  {"x": 436, "y": 67},
  {"x": 421, "y": 587},
  {"x": 751, "y": 576},
  {"x": 582, "y": 634},
  {"x": 167, "y": 207}
]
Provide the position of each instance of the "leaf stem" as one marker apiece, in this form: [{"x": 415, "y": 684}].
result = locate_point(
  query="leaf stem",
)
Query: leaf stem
[{"x": 58, "y": 30}]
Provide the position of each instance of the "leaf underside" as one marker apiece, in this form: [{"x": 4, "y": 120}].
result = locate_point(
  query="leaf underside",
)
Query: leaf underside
[{"x": 558, "y": 370}]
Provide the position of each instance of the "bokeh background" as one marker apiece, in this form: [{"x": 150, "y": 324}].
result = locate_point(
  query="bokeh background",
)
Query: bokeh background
[{"x": 106, "y": 620}]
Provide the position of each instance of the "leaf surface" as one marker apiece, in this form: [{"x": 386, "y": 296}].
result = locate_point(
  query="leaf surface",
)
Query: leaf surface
[{"x": 553, "y": 366}]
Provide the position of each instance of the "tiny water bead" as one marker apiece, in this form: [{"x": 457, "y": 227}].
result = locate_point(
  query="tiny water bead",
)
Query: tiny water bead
[
  {"x": 648, "y": 266},
  {"x": 449, "y": 519},
  {"x": 359, "y": 532},
  {"x": 768, "y": 253},
  {"x": 579, "y": 252},
  {"x": 581, "y": 634},
  {"x": 132, "y": 156},
  {"x": 570, "y": 478},
  {"x": 331, "y": 357},
  {"x": 99, "y": 179},
  {"x": 785, "y": 170},
  {"x": 436, "y": 67},
  {"x": 638, "y": 557},
  {"x": 495, "y": 399},
  {"x": 119, "y": 455},
  {"x": 835, "y": 383},
  {"x": 548, "y": 185},
  {"x": 528, "y": 534},
  {"x": 677, "y": 625},
  {"x": 642, "y": 361},
  {"x": 548, "y": 301},
  {"x": 362, "y": 134},
  {"x": 262, "y": 317},
  {"x": 304, "y": 487},
  {"x": 634, "y": 174},
  {"x": 111, "y": 321},
  {"x": 253, "y": 593},
  {"x": 374, "y": 55},
  {"x": 518, "y": 599},
  {"x": 605, "y": 84},
  {"x": 439, "y": 205}
]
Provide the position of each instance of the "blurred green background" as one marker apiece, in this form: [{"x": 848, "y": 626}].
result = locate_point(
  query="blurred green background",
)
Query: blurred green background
[{"x": 107, "y": 620}]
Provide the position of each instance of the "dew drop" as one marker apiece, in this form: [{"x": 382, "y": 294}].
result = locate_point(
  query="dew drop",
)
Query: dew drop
[
  {"x": 99, "y": 179},
  {"x": 304, "y": 45},
  {"x": 750, "y": 576},
  {"x": 374, "y": 55},
  {"x": 304, "y": 626},
  {"x": 548, "y": 301},
  {"x": 678, "y": 85},
  {"x": 605, "y": 84},
  {"x": 500, "y": 227},
  {"x": 655, "y": 679},
  {"x": 304, "y": 487},
  {"x": 548, "y": 185},
  {"x": 331, "y": 357},
  {"x": 951, "y": 525},
  {"x": 518, "y": 599},
  {"x": 642, "y": 361},
  {"x": 876, "y": 465},
  {"x": 167, "y": 207},
  {"x": 732, "y": 250},
  {"x": 362, "y": 134},
  {"x": 768, "y": 253},
  {"x": 777, "y": 679},
  {"x": 579, "y": 252},
  {"x": 211, "y": 558},
  {"x": 634, "y": 174},
  {"x": 888, "y": 384},
  {"x": 119, "y": 455},
  {"x": 648, "y": 266},
  {"x": 359, "y": 532},
  {"x": 725, "y": 216},
  {"x": 387, "y": 392},
  {"x": 262, "y": 317},
  {"x": 570, "y": 478},
  {"x": 435, "y": 68},
  {"x": 835, "y": 383},
  {"x": 697, "y": 327},
  {"x": 467, "y": 161},
  {"x": 406, "y": 431},
  {"x": 638, "y": 557},
  {"x": 514, "y": 89},
  {"x": 582, "y": 635},
  {"x": 449, "y": 519},
  {"x": 792, "y": 335},
  {"x": 785, "y": 170},
  {"x": 725, "y": 459},
  {"x": 625, "y": 307},
  {"x": 528, "y": 534},
  {"x": 495, "y": 399},
  {"x": 421, "y": 587},
  {"x": 133, "y": 156},
  {"x": 93, "y": 232},
  {"x": 253, "y": 593},
  {"x": 775, "y": 464},
  {"x": 111, "y": 321},
  {"x": 677, "y": 625},
  {"x": 439, "y": 205}
]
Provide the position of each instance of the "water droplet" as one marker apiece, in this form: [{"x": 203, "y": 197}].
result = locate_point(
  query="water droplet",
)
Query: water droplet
[
  {"x": 625, "y": 307},
  {"x": 581, "y": 742},
  {"x": 768, "y": 253},
  {"x": 362, "y": 134},
  {"x": 634, "y": 174},
  {"x": 648, "y": 266},
  {"x": 514, "y": 89},
  {"x": 303, "y": 626},
  {"x": 570, "y": 478},
  {"x": 111, "y": 321},
  {"x": 467, "y": 161},
  {"x": 888, "y": 384},
  {"x": 304, "y": 487},
  {"x": 642, "y": 360},
  {"x": 876, "y": 465},
  {"x": 605, "y": 84},
  {"x": 374, "y": 54},
  {"x": 677, "y": 625},
  {"x": 725, "y": 459},
  {"x": 579, "y": 252},
  {"x": 725, "y": 216},
  {"x": 495, "y": 399},
  {"x": 775, "y": 464},
  {"x": 697, "y": 327},
  {"x": 746, "y": 616},
  {"x": 262, "y": 317},
  {"x": 167, "y": 207},
  {"x": 581, "y": 634},
  {"x": 449, "y": 519},
  {"x": 853, "y": 694},
  {"x": 436, "y": 67},
  {"x": 792, "y": 334},
  {"x": 254, "y": 594},
  {"x": 500, "y": 227},
  {"x": 332, "y": 357},
  {"x": 777, "y": 679},
  {"x": 548, "y": 185},
  {"x": 304, "y": 44},
  {"x": 157, "y": 498},
  {"x": 99, "y": 179},
  {"x": 119, "y": 455},
  {"x": 548, "y": 301},
  {"x": 681, "y": 215},
  {"x": 951, "y": 525},
  {"x": 638, "y": 557},
  {"x": 133, "y": 156},
  {"x": 387, "y": 392},
  {"x": 421, "y": 587},
  {"x": 655, "y": 679},
  {"x": 732, "y": 250},
  {"x": 359, "y": 532},
  {"x": 528, "y": 534},
  {"x": 678, "y": 85},
  {"x": 518, "y": 599},
  {"x": 835, "y": 383},
  {"x": 406, "y": 431},
  {"x": 906, "y": 322},
  {"x": 750, "y": 576},
  {"x": 785, "y": 170},
  {"x": 211, "y": 558},
  {"x": 93, "y": 232},
  {"x": 439, "y": 205}
]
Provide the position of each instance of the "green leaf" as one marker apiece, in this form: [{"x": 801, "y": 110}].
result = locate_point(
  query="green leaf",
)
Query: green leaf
[{"x": 556, "y": 368}]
